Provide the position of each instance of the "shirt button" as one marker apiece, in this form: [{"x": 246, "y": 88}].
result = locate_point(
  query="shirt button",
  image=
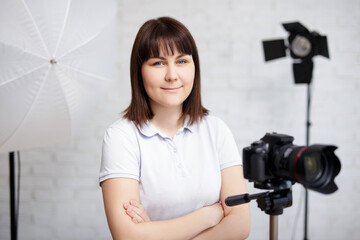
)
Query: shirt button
[
  {"x": 179, "y": 165},
  {"x": 174, "y": 150}
]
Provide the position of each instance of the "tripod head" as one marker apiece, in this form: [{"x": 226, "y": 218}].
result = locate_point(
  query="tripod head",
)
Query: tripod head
[{"x": 271, "y": 202}]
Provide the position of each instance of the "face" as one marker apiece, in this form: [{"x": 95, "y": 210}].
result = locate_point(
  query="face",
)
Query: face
[{"x": 168, "y": 80}]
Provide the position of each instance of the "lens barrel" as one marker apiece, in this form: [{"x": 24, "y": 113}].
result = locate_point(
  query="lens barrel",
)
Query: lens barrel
[{"x": 314, "y": 166}]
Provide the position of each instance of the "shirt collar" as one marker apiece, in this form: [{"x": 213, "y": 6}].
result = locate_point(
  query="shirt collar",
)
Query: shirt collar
[
  {"x": 150, "y": 130},
  {"x": 187, "y": 125}
]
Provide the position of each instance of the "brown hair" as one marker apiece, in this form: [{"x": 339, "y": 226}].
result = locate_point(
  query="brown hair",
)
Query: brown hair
[{"x": 168, "y": 34}]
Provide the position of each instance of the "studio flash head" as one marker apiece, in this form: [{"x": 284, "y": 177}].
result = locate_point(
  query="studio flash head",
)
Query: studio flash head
[
  {"x": 274, "y": 159},
  {"x": 302, "y": 45}
]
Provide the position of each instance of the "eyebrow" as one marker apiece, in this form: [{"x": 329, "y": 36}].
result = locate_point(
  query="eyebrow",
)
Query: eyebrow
[{"x": 178, "y": 56}]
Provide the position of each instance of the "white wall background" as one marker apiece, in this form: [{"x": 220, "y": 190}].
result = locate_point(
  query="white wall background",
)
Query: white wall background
[{"x": 60, "y": 196}]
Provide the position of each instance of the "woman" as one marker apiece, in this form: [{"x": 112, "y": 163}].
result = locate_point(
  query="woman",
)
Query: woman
[{"x": 167, "y": 163}]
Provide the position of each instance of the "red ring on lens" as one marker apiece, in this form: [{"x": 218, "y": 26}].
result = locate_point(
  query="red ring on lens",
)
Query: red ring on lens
[{"x": 295, "y": 161}]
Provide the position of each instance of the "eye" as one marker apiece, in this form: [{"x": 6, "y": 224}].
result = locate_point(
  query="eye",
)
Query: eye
[
  {"x": 157, "y": 63},
  {"x": 182, "y": 61}
]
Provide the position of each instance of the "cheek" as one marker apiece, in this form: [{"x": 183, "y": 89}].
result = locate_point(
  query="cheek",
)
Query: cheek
[
  {"x": 189, "y": 76},
  {"x": 149, "y": 78}
]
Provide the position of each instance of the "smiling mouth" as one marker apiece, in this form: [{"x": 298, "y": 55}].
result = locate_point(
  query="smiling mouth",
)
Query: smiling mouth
[{"x": 171, "y": 89}]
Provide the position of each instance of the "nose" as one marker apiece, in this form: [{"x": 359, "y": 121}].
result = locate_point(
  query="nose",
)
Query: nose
[{"x": 171, "y": 73}]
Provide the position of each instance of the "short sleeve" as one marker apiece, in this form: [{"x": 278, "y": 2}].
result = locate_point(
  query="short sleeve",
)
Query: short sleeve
[
  {"x": 120, "y": 152},
  {"x": 227, "y": 150}
]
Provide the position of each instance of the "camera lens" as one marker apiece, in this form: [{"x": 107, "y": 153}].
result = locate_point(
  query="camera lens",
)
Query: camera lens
[
  {"x": 316, "y": 166},
  {"x": 313, "y": 166}
]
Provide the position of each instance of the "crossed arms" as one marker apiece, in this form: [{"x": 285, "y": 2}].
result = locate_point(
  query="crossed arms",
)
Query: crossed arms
[{"x": 218, "y": 221}]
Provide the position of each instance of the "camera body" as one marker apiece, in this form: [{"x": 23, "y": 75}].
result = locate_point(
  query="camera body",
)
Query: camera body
[
  {"x": 274, "y": 160},
  {"x": 256, "y": 157}
]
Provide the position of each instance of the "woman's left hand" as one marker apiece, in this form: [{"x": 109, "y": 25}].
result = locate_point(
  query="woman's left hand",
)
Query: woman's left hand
[{"x": 136, "y": 212}]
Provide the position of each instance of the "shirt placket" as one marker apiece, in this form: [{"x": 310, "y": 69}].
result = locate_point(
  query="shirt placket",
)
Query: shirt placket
[{"x": 176, "y": 158}]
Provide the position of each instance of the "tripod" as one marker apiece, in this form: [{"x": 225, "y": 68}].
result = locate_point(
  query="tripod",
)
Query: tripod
[{"x": 272, "y": 203}]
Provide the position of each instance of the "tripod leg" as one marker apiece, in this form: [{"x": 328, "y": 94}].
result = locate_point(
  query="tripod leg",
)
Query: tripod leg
[{"x": 273, "y": 227}]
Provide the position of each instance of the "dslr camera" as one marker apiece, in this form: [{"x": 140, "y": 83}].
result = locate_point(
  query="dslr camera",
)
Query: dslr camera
[{"x": 274, "y": 159}]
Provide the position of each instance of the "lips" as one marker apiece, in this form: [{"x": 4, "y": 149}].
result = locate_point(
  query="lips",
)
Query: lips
[{"x": 171, "y": 89}]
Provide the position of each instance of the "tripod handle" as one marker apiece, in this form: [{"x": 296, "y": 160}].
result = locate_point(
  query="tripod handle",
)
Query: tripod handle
[
  {"x": 237, "y": 199},
  {"x": 242, "y": 198}
]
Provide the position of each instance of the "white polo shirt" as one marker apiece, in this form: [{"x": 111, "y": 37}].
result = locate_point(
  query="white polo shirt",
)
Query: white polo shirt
[{"x": 176, "y": 176}]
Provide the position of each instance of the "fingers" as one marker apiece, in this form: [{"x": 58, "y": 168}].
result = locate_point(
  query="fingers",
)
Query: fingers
[
  {"x": 136, "y": 211},
  {"x": 134, "y": 216},
  {"x": 139, "y": 209}
]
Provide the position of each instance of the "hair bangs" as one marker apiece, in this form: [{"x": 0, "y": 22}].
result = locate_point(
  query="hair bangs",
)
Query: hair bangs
[{"x": 164, "y": 40}]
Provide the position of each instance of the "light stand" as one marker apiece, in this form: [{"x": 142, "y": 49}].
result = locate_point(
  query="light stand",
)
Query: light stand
[
  {"x": 14, "y": 198},
  {"x": 303, "y": 46},
  {"x": 12, "y": 195},
  {"x": 308, "y": 125}
]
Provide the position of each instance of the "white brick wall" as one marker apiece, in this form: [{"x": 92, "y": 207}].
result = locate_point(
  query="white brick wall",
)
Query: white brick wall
[{"x": 60, "y": 196}]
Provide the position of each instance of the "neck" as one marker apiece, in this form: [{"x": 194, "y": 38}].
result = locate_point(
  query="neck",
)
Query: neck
[{"x": 167, "y": 120}]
